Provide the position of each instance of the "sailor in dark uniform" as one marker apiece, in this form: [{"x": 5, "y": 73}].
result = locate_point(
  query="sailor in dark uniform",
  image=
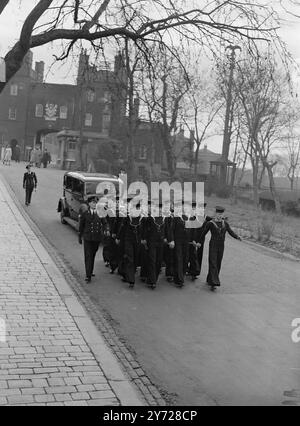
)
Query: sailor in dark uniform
[
  {"x": 180, "y": 238},
  {"x": 90, "y": 231},
  {"x": 192, "y": 224},
  {"x": 29, "y": 184},
  {"x": 218, "y": 227},
  {"x": 169, "y": 246},
  {"x": 104, "y": 212},
  {"x": 117, "y": 234},
  {"x": 143, "y": 256},
  {"x": 153, "y": 235},
  {"x": 197, "y": 245},
  {"x": 112, "y": 247},
  {"x": 130, "y": 234}
]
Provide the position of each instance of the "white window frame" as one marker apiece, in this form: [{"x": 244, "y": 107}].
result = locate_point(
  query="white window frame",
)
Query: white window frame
[
  {"x": 12, "y": 113},
  {"x": 14, "y": 89},
  {"x": 63, "y": 112},
  {"x": 88, "y": 121},
  {"x": 39, "y": 110}
]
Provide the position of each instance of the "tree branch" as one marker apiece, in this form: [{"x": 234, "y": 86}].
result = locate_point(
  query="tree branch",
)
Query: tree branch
[{"x": 3, "y": 4}]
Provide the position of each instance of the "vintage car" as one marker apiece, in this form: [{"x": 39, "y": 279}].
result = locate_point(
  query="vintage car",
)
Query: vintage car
[{"x": 78, "y": 187}]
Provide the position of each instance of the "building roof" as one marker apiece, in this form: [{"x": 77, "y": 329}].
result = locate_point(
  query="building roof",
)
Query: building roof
[
  {"x": 89, "y": 177},
  {"x": 212, "y": 157},
  {"x": 86, "y": 134}
]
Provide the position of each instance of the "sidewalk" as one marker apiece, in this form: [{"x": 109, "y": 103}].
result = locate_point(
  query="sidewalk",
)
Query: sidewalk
[{"x": 53, "y": 353}]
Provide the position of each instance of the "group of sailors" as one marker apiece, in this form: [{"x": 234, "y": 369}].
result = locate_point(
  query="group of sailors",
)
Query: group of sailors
[{"x": 135, "y": 240}]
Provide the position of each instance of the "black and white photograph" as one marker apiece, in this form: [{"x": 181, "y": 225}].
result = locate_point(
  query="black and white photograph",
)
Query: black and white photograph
[{"x": 149, "y": 206}]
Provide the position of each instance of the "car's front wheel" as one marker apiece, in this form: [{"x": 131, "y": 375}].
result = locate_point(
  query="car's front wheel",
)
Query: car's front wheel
[{"x": 62, "y": 217}]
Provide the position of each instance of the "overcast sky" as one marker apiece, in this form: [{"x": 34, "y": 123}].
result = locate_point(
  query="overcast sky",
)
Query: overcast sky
[
  {"x": 12, "y": 18},
  {"x": 11, "y": 22}
]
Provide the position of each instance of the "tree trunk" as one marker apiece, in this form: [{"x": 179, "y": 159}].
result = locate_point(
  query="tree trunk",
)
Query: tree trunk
[
  {"x": 273, "y": 188},
  {"x": 196, "y": 159},
  {"x": 243, "y": 171},
  {"x": 170, "y": 156},
  {"x": 291, "y": 177},
  {"x": 255, "y": 181},
  {"x": 261, "y": 177}
]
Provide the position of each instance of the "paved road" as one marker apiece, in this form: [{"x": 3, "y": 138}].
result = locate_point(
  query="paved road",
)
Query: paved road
[{"x": 229, "y": 347}]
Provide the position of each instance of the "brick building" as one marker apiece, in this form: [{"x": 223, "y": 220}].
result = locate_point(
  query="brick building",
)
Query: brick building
[{"x": 32, "y": 112}]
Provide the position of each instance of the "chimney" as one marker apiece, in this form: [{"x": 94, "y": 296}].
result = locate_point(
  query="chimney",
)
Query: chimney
[
  {"x": 83, "y": 66},
  {"x": 39, "y": 69}
]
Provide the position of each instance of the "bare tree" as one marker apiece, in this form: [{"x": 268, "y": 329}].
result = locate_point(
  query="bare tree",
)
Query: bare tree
[
  {"x": 262, "y": 90},
  {"x": 164, "y": 89},
  {"x": 290, "y": 143},
  {"x": 3, "y": 4},
  {"x": 201, "y": 108},
  {"x": 201, "y": 22}
]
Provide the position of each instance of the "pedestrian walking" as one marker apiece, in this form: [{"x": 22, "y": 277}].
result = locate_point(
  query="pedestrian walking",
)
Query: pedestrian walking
[
  {"x": 179, "y": 239},
  {"x": 218, "y": 227},
  {"x": 117, "y": 227},
  {"x": 90, "y": 233},
  {"x": 39, "y": 156},
  {"x": 197, "y": 244},
  {"x": 153, "y": 236},
  {"x": 36, "y": 157},
  {"x": 7, "y": 155},
  {"x": 143, "y": 258},
  {"x": 46, "y": 158},
  {"x": 130, "y": 234},
  {"x": 169, "y": 257},
  {"x": 17, "y": 153},
  {"x": 29, "y": 184}
]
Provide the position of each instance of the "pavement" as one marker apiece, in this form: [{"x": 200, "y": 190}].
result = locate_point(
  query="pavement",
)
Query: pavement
[{"x": 51, "y": 353}]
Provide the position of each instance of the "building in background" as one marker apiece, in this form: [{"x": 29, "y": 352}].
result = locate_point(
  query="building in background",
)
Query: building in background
[{"x": 33, "y": 112}]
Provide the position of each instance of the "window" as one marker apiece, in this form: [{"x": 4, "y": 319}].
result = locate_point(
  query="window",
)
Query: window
[
  {"x": 39, "y": 110},
  {"x": 107, "y": 96},
  {"x": 14, "y": 90},
  {"x": 106, "y": 108},
  {"x": 63, "y": 112},
  {"x": 105, "y": 124},
  {"x": 78, "y": 186},
  {"x": 68, "y": 182},
  {"x": 88, "y": 119},
  {"x": 213, "y": 169},
  {"x": 72, "y": 146},
  {"x": 12, "y": 113},
  {"x": 143, "y": 152},
  {"x": 142, "y": 171},
  {"x": 90, "y": 95}
]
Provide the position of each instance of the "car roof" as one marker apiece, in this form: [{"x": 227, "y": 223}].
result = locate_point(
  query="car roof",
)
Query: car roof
[{"x": 90, "y": 177}]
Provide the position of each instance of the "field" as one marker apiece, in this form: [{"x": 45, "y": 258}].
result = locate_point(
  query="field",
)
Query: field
[{"x": 280, "y": 232}]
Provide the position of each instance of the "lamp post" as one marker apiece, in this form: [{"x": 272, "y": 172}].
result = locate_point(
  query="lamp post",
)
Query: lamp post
[{"x": 227, "y": 128}]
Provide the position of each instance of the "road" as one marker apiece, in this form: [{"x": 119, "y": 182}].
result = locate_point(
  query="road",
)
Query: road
[{"x": 232, "y": 347}]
